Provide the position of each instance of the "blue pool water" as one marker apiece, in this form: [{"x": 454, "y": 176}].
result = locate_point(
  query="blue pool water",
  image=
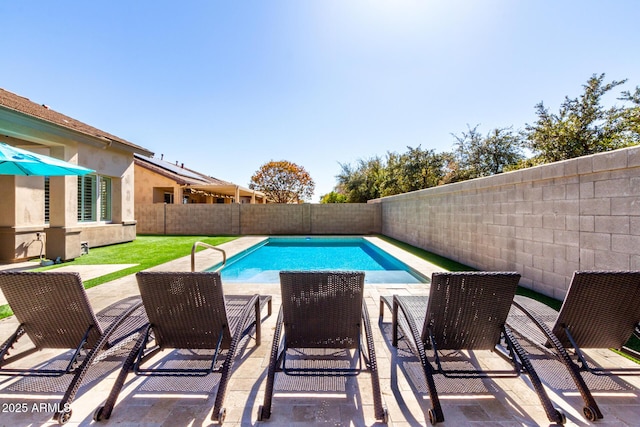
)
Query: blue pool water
[{"x": 263, "y": 263}]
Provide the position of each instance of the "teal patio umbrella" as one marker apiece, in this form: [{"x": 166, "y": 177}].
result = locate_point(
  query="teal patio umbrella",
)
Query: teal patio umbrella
[{"x": 15, "y": 161}]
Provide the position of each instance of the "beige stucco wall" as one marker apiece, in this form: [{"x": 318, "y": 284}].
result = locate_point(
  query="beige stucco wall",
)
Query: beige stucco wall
[
  {"x": 107, "y": 234},
  {"x": 544, "y": 222},
  {"x": 150, "y": 187},
  {"x": 7, "y": 194},
  {"x": 22, "y": 210},
  {"x": 21, "y": 216},
  {"x": 119, "y": 166},
  {"x": 145, "y": 183}
]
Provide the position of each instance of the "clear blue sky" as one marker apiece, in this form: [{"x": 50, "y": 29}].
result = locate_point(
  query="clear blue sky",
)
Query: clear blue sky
[{"x": 225, "y": 86}]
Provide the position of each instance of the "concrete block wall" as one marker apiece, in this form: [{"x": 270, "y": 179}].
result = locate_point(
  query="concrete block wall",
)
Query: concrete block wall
[
  {"x": 342, "y": 218},
  {"x": 193, "y": 219},
  {"x": 544, "y": 222},
  {"x": 258, "y": 219},
  {"x": 189, "y": 219},
  {"x": 275, "y": 219},
  {"x": 150, "y": 218}
]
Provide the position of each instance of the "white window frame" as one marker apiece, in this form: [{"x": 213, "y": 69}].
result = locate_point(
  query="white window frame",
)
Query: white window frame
[{"x": 95, "y": 202}]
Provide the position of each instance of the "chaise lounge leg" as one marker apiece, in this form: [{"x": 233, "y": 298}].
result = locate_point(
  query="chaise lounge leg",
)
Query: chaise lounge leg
[
  {"x": 435, "y": 413},
  {"x": 553, "y": 414},
  {"x": 591, "y": 410},
  {"x": 104, "y": 412},
  {"x": 264, "y": 411},
  {"x": 219, "y": 412},
  {"x": 380, "y": 411}
]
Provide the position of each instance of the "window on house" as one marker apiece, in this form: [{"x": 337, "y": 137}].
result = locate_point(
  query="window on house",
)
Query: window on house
[
  {"x": 104, "y": 198},
  {"x": 94, "y": 198},
  {"x": 46, "y": 200}
]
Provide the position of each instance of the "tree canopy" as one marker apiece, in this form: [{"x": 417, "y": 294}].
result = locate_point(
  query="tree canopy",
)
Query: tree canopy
[
  {"x": 582, "y": 126},
  {"x": 394, "y": 174},
  {"x": 283, "y": 182},
  {"x": 362, "y": 182},
  {"x": 631, "y": 116},
  {"x": 333, "y": 197},
  {"x": 479, "y": 156},
  {"x": 413, "y": 170}
]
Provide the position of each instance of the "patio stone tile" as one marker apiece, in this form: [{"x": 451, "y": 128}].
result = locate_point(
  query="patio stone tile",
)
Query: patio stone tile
[
  {"x": 474, "y": 413},
  {"x": 495, "y": 402},
  {"x": 323, "y": 411}
]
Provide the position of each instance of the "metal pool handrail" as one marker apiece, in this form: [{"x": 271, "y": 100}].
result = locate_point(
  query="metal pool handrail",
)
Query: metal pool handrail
[{"x": 193, "y": 255}]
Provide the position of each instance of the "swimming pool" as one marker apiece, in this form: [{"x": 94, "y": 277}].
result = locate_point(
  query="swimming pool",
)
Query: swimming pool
[{"x": 262, "y": 263}]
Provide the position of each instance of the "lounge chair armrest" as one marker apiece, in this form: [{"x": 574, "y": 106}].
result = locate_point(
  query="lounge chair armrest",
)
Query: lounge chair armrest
[
  {"x": 542, "y": 326},
  {"x": 366, "y": 323},
  {"x": 253, "y": 305},
  {"x": 258, "y": 315},
  {"x": 400, "y": 306},
  {"x": 381, "y": 411},
  {"x": 537, "y": 321},
  {"x": 136, "y": 327},
  {"x": 278, "y": 345}
]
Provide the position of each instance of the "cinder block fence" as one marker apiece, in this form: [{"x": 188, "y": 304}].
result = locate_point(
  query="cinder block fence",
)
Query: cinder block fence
[
  {"x": 247, "y": 219},
  {"x": 544, "y": 222}
]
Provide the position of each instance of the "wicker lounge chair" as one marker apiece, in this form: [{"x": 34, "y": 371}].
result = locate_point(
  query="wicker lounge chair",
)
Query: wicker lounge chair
[
  {"x": 322, "y": 311},
  {"x": 54, "y": 313},
  {"x": 464, "y": 311},
  {"x": 601, "y": 310},
  {"x": 190, "y": 311}
]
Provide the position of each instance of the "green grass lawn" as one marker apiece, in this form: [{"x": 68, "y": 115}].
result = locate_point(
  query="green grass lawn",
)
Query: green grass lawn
[
  {"x": 149, "y": 251},
  {"x": 145, "y": 251},
  {"x": 434, "y": 259}
]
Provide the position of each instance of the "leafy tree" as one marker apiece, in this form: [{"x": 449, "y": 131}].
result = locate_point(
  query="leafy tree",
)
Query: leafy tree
[
  {"x": 398, "y": 173},
  {"x": 413, "y": 170},
  {"x": 477, "y": 156},
  {"x": 333, "y": 197},
  {"x": 283, "y": 182},
  {"x": 581, "y": 127},
  {"x": 362, "y": 182},
  {"x": 450, "y": 168},
  {"x": 631, "y": 116}
]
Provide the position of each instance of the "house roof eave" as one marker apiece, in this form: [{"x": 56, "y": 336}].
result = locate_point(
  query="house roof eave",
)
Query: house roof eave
[{"x": 24, "y": 119}]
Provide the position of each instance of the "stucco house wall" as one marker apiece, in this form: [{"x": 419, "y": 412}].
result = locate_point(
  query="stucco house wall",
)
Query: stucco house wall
[
  {"x": 146, "y": 184},
  {"x": 159, "y": 181},
  {"x": 24, "y": 231}
]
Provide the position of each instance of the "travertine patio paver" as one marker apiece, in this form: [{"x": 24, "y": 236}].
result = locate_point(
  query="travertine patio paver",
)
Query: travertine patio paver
[{"x": 495, "y": 402}]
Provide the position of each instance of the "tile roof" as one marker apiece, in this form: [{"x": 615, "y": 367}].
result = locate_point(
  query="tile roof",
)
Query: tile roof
[
  {"x": 11, "y": 101},
  {"x": 180, "y": 174}
]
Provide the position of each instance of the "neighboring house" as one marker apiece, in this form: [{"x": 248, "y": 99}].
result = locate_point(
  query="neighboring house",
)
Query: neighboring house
[
  {"x": 57, "y": 214},
  {"x": 159, "y": 181}
]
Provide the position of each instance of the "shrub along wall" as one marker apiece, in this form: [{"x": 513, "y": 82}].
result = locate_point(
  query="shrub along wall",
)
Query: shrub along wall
[{"x": 544, "y": 222}]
